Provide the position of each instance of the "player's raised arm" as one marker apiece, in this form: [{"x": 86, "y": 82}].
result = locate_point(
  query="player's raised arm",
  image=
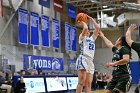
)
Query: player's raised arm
[
  {"x": 107, "y": 41},
  {"x": 84, "y": 32},
  {"x": 128, "y": 34},
  {"x": 96, "y": 26},
  {"x": 81, "y": 20}
]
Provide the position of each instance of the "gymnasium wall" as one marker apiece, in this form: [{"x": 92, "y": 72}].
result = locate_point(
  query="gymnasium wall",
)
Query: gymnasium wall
[{"x": 10, "y": 48}]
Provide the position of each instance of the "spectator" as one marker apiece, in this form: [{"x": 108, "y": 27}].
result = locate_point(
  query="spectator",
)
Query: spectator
[
  {"x": 35, "y": 72},
  {"x": 41, "y": 73},
  {"x": 32, "y": 72},
  {"x": 100, "y": 80},
  {"x": 22, "y": 72},
  {"x": 3, "y": 83},
  {"x": 94, "y": 82},
  {"x": 20, "y": 86}
]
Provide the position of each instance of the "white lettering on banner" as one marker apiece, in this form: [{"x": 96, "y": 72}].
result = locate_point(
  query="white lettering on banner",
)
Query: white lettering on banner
[
  {"x": 23, "y": 18},
  {"x": 58, "y": 5},
  {"x": 34, "y": 21},
  {"x": 73, "y": 34},
  {"x": 45, "y": 24},
  {"x": 35, "y": 63},
  {"x": 47, "y": 63},
  {"x": 29, "y": 58},
  {"x": 42, "y": 63},
  {"x": 56, "y": 31},
  {"x": 67, "y": 36},
  {"x": 71, "y": 11}
]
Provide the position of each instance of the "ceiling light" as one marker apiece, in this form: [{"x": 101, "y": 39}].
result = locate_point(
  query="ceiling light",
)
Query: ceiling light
[
  {"x": 94, "y": 1},
  {"x": 105, "y": 6}
]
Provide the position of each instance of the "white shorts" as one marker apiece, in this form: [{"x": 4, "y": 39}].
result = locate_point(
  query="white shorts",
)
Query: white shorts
[{"x": 86, "y": 63}]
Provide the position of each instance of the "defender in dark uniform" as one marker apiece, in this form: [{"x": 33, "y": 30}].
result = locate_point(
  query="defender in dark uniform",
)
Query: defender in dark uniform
[
  {"x": 133, "y": 45},
  {"x": 120, "y": 63}
]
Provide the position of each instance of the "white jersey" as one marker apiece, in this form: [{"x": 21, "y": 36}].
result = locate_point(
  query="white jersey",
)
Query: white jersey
[{"x": 87, "y": 46}]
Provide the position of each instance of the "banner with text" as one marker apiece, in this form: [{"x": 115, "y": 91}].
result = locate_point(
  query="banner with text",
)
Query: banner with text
[
  {"x": 73, "y": 38},
  {"x": 22, "y": 26},
  {"x": 71, "y": 11},
  {"x": 43, "y": 63},
  {"x": 34, "y": 29},
  {"x": 55, "y": 33},
  {"x": 45, "y": 24},
  {"x": 45, "y": 3},
  {"x": 67, "y": 36}
]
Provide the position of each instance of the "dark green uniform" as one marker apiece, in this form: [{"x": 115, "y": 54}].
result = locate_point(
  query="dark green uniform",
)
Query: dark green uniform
[
  {"x": 121, "y": 73},
  {"x": 136, "y": 47}
]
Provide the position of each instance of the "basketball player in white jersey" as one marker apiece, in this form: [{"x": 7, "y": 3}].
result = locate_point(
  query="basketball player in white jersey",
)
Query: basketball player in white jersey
[{"x": 84, "y": 63}]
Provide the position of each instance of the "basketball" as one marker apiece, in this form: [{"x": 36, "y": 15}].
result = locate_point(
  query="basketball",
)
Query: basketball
[{"x": 81, "y": 17}]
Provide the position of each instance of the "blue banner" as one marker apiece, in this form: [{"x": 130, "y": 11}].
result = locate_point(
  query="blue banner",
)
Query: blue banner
[
  {"x": 72, "y": 66},
  {"x": 67, "y": 36},
  {"x": 73, "y": 38},
  {"x": 43, "y": 63},
  {"x": 34, "y": 28},
  {"x": 135, "y": 71},
  {"x": 45, "y": 24},
  {"x": 22, "y": 26},
  {"x": 71, "y": 11},
  {"x": 55, "y": 33},
  {"x": 45, "y": 3}
]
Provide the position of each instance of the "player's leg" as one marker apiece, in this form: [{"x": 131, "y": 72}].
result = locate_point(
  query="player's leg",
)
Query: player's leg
[
  {"x": 81, "y": 65},
  {"x": 108, "y": 91},
  {"x": 115, "y": 90},
  {"x": 81, "y": 80},
  {"x": 89, "y": 78},
  {"x": 89, "y": 75},
  {"x": 111, "y": 85},
  {"x": 123, "y": 84}
]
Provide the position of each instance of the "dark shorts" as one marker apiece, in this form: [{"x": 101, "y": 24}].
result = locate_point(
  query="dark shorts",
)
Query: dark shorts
[{"x": 121, "y": 83}]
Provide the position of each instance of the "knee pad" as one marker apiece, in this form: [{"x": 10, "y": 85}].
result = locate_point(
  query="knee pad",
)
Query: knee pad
[{"x": 115, "y": 91}]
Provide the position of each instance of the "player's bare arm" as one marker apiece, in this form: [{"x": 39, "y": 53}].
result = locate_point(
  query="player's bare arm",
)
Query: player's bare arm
[
  {"x": 125, "y": 60},
  {"x": 96, "y": 26},
  {"x": 131, "y": 28},
  {"x": 84, "y": 30},
  {"x": 107, "y": 41}
]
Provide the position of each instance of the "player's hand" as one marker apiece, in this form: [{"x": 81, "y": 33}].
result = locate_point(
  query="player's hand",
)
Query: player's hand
[
  {"x": 82, "y": 24},
  {"x": 101, "y": 34},
  {"x": 89, "y": 18},
  {"x": 109, "y": 65},
  {"x": 132, "y": 27},
  {"x": 95, "y": 24},
  {"x": 92, "y": 19}
]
